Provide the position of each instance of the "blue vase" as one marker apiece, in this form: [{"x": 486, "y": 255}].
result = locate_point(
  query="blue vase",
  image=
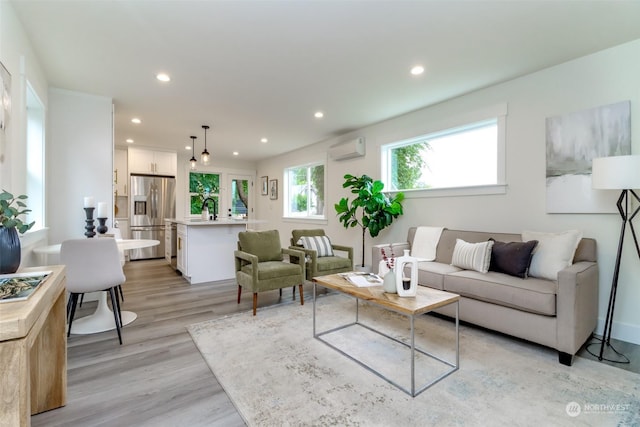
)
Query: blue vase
[{"x": 9, "y": 250}]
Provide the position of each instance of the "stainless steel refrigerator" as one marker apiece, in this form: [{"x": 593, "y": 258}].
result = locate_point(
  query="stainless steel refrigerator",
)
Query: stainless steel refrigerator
[{"x": 152, "y": 199}]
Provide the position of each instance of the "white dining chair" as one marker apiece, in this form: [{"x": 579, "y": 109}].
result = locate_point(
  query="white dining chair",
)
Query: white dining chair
[{"x": 92, "y": 265}]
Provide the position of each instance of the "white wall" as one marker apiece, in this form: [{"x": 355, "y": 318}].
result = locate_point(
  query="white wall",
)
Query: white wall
[
  {"x": 17, "y": 55},
  {"x": 599, "y": 79},
  {"x": 79, "y": 159}
]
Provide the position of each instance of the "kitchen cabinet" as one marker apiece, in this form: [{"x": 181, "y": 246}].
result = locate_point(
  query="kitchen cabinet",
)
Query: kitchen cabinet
[
  {"x": 181, "y": 249},
  {"x": 120, "y": 172},
  {"x": 153, "y": 162},
  {"x": 205, "y": 249}
]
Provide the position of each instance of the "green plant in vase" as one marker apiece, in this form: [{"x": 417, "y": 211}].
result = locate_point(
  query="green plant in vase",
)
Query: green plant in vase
[
  {"x": 371, "y": 209},
  {"x": 11, "y": 208}
]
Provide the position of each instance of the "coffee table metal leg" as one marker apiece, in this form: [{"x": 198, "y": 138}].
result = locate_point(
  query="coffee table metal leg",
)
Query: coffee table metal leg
[{"x": 413, "y": 357}]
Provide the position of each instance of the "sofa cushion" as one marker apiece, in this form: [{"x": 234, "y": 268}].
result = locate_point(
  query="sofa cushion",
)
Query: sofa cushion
[
  {"x": 273, "y": 269},
  {"x": 532, "y": 295},
  {"x": 320, "y": 244},
  {"x": 472, "y": 256},
  {"x": 553, "y": 253},
  {"x": 512, "y": 258},
  {"x": 329, "y": 263},
  {"x": 432, "y": 274}
]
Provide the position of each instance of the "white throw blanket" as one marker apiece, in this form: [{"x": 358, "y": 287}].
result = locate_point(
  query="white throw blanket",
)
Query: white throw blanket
[{"x": 425, "y": 243}]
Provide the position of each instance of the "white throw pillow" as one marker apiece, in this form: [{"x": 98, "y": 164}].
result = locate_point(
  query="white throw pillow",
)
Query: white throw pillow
[
  {"x": 472, "y": 256},
  {"x": 553, "y": 253},
  {"x": 320, "y": 244}
]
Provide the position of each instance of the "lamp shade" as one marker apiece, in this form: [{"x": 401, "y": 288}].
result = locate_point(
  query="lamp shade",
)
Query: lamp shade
[{"x": 616, "y": 173}]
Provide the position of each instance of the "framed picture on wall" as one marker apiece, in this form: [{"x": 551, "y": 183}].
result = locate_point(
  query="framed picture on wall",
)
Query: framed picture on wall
[
  {"x": 264, "y": 185},
  {"x": 273, "y": 189}
]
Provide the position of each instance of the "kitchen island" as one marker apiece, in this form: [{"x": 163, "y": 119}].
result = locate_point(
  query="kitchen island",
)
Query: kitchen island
[{"x": 204, "y": 249}]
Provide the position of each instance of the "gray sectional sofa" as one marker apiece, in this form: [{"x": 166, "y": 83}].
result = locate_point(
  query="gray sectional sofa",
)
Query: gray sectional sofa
[{"x": 560, "y": 314}]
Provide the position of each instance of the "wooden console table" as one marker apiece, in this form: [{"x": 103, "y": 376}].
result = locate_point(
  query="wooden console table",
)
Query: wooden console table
[{"x": 33, "y": 351}]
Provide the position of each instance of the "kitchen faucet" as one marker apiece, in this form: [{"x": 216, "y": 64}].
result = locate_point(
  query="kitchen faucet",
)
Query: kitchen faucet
[{"x": 215, "y": 206}]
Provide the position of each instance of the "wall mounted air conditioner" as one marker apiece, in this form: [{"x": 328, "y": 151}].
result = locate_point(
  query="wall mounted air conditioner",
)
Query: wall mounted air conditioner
[{"x": 348, "y": 149}]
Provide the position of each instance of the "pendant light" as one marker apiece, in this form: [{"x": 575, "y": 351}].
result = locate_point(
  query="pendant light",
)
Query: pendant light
[
  {"x": 193, "y": 160},
  {"x": 205, "y": 154}
]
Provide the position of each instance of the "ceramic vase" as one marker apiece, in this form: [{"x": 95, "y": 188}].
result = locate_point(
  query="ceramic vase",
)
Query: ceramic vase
[
  {"x": 205, "y": 213},
  {"x": 389, "y": 282},
  {"x": 9, "y": 250},
  {"x": 407, "y": 261}
]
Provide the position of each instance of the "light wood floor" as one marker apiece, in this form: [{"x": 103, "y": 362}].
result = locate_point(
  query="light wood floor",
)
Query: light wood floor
[{"x": 158, "y": 377}]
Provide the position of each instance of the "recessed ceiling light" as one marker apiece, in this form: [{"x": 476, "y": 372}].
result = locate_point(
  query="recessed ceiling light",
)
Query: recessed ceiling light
[
  {"x": 235, "y": 153},
  {"x": 318, "y": 115},
  {"x": 136, "y": 120},
  {"x": 417, "y": 70},
  {"x": 186, "y": 147},
  {"x": 163, "y": 77},
  {"x": 264, "y": 140},
  {"x": 129, "y": 141}
]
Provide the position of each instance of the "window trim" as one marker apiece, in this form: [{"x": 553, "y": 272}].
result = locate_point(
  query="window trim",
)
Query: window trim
[
  {"x": 496, "y": 112},
  {"x": 285, "y": 194}
]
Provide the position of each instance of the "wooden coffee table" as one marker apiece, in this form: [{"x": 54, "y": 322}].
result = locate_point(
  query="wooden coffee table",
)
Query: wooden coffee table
[{"x": 426, "y": 300}]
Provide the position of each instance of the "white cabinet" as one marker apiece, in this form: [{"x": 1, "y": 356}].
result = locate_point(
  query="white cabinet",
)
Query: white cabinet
[
  {"x": 120, "y": 172},
  {"x": 153, "y": 162},
  {"x": 181, "y": 250}
]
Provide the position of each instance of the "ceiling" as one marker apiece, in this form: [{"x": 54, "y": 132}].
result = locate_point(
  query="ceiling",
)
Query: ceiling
[{"x": 261, "y": 69}]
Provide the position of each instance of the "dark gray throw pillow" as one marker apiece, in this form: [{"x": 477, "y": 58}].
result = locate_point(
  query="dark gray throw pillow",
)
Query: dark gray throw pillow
[{"x": 512, "y": 258}]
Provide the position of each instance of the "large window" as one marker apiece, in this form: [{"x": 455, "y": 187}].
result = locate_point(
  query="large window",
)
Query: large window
[
  {"x": 35, "y": 158},
  {"x": 304, "y": 191},
  {"x": 466, "y": 156},
  {"x": 202, "y": 186}
]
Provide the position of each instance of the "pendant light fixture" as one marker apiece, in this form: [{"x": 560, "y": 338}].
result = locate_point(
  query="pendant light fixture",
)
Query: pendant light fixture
[
  {"x": 193, "y": 160},
  {"x": 205, "y": 154}
]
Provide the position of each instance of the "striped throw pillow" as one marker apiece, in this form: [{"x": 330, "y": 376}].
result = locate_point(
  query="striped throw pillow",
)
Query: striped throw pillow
[
  {"x": 472, "y": 256},
  {"x": 320, "y": 244}
]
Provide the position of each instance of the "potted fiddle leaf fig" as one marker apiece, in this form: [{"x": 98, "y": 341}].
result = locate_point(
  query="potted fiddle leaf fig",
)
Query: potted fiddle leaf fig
[
  {"x": 11, "y": 208},
  {"x": 371, "y": 209}
]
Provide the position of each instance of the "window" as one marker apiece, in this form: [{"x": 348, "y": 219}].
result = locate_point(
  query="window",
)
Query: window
[
  {"x": 304, "y": 191},
  {"x": 202, "y": 186},
  {"x": 467, "y": 156},
  {"x": 35, "y": 158}
]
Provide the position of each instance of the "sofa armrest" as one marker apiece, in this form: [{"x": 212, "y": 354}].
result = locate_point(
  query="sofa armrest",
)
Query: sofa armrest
[
  {"x": 244, "y": 258},
  {"x": 577, "y": 305},
  {"x": 296, "y": 256}
]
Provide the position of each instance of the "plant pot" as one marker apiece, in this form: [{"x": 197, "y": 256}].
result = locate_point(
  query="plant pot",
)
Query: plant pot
[{"x": 9, "y": 250}]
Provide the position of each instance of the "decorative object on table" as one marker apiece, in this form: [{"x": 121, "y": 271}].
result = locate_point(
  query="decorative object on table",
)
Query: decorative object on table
[
  {"x": 102, "y": 218},
  {"x": 11, "y": 207},
  {"x": 371, "y": 209},
  {"x": 20, "y": 286},
  {"x": 618, "y": 173},
  {"x": 102, "y": 227},
  {"x": 193, "y": 162},
  {"x": 273, "y": 189},
  {"x": 264, "y": 185},
  {"x": 407, "y": 286},
  {"x": 204, "y": 158},
  {"x": 573, "y": 140},
  {"x": 389, "y": 278}
]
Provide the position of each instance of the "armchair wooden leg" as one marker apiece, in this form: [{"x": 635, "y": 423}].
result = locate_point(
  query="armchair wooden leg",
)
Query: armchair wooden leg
[
  {"x": 294, "y": 293},
  {"x": 301, "y": 294},
  {"x": 255, "y": 302},
  {"x": 239, "y": 293}
]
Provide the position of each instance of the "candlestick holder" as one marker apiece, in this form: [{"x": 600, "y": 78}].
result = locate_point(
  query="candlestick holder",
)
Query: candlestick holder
[
  {"x": 89, "y": 227},
  {"x": 102, "y": 228}
]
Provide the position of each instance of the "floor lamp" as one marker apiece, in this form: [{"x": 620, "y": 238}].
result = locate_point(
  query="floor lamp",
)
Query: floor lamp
[{"x": 618, "y": 173}]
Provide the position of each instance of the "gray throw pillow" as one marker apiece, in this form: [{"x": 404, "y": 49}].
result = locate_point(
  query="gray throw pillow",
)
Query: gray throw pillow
[{"x": 512, "y": 258}]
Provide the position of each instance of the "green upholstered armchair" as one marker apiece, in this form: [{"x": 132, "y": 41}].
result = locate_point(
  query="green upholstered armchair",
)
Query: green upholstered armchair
[
  {"x": 321, "y": 264},
  {"x": 260, "y": 264}
]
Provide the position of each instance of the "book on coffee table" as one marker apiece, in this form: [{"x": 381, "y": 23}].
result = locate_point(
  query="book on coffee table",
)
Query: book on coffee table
[{"x": 362, "y": 279}]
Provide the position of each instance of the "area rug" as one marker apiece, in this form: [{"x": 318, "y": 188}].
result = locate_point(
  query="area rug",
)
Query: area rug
[{"x": 277, "y": 374}]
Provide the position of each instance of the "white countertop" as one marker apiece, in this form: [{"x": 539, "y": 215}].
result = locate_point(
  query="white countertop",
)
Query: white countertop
[{"x": 220, "y": 221}]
